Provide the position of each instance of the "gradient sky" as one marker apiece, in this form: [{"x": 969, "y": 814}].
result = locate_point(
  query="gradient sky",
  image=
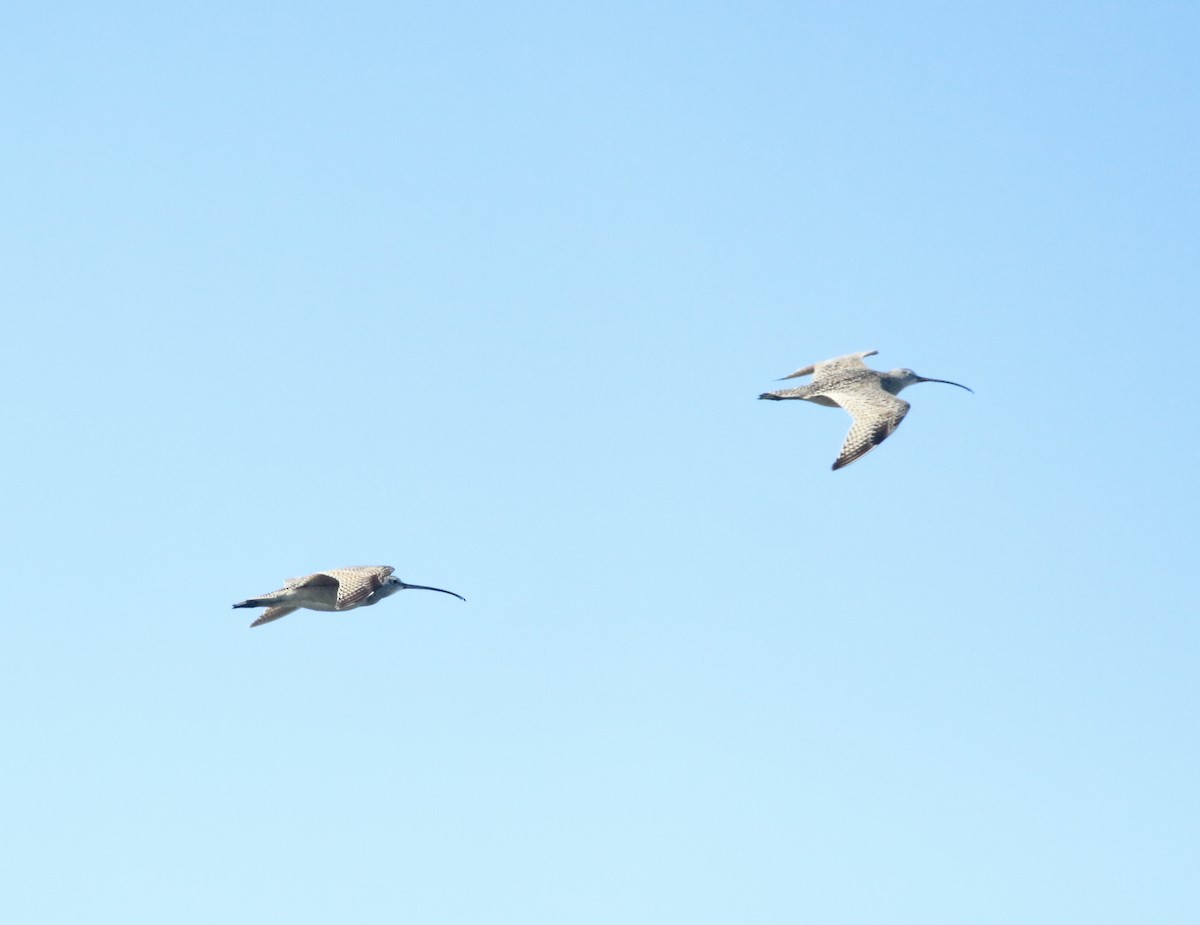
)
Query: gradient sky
[{"x": 487, "y": 292}]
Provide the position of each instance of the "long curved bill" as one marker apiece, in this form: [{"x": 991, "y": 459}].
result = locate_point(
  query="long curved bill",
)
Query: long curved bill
[
  {"x": 948, "y": 382},
  {"x": 427, "y": 588}
]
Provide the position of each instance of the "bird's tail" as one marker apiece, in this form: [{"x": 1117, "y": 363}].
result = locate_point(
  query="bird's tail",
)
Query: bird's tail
[
  {"x": 256, "y": 602},
  {"x": 783, "y": 394}
]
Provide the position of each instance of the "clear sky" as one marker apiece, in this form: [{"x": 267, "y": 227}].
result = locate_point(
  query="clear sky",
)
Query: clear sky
[{"x": 487, "y": 291}]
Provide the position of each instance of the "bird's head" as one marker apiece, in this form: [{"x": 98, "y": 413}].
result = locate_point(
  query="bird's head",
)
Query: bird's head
[{"x": 899, "y": 379}]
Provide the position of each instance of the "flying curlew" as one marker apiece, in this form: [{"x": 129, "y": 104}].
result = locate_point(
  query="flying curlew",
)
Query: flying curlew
[
  {"x": 336, "y": 589},
  {"x": 868, "y": 395}
]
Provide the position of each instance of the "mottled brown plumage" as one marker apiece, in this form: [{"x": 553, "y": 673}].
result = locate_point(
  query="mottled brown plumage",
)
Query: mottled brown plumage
[
  {"x": 333, "y": 590},
  {"x": 868, "y": 395}
]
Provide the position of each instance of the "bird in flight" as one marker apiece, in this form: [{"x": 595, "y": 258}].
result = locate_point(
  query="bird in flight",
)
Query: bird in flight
[
  {"x": 334, "y": 590},
  {"x": 869, "y": 396}
]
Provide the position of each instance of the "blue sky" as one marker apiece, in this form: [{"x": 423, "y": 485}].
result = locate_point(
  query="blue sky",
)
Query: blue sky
[{"x": 486, "y": 292}]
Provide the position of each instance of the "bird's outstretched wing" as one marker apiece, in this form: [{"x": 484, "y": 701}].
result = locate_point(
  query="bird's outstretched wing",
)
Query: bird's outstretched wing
[
  {"x": 316, "y": 579},
  {"x": 273, "y": 613},
  {"x": 838, "y": 367},
  {"x": 817, "y": 370},
  {"x": 807, "y": 370},
  {"x": 876, "y": 415},
  {"x": 357, "y": 583}
]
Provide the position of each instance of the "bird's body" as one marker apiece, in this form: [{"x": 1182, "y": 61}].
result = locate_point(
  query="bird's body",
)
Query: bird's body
[
  {"x": 868, "y": 395},
  {"x": 334, "y": 590}
]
